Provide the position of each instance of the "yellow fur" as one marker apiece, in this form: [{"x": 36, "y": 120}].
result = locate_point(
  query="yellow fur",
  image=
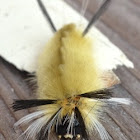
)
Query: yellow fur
[{"x": 67, "y": 66}]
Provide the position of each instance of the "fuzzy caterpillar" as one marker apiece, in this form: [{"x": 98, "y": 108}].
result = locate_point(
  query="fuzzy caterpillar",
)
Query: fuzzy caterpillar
[{"x": 71, "y": 90}]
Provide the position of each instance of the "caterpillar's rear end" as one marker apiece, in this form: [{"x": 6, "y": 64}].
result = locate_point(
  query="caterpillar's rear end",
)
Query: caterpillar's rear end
[{"x": 71, "y": 90}]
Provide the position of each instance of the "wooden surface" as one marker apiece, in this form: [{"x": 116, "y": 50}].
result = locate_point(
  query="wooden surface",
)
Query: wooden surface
[{"x": 121, "y": 23}]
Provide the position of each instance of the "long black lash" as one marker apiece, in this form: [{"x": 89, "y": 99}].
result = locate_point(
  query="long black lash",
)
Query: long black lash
[
  {"x": 97, "y": 15},
  {"x": 24, "y": 104},
  {"x": 46, "y": 14},
  {"x": 99, "y": 94}
]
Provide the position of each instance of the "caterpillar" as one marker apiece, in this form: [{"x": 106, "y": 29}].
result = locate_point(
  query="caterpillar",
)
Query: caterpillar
[{"x": 72, "y": 92}]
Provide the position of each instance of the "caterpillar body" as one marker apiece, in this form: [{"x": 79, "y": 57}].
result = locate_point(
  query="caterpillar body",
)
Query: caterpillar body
[{"x": 71, "y": 89}]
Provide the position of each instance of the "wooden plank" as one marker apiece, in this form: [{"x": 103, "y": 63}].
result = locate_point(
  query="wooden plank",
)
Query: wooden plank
[
  {"x": 117, "y": 21},
  {"x": 7, "y": 121},
  {"x": 113, "y": 129},
  {"x": 122, "y": 123},
  {"x": 127, "y": 4},
  {"x": 137, "y": 2},
  {"x": 132, "y": 109},
  {"x": 15, "y": 79},
  {"x": 10, "y": 88},
  {"x": 7, "y": 94},
  {"x": 2, "y": 137},
  {"x": 4, "y": 83},
  {"x": 130, "y": 82},
  {"x": 115, "y": 17},
  {"x": 128, "y": 125}
]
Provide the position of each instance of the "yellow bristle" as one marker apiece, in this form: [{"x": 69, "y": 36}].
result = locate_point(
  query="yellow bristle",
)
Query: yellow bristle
[{"x": 67, "y": 66}]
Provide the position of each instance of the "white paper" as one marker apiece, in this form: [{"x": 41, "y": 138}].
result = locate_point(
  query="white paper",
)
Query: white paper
[{"x": 24, "y": 32}]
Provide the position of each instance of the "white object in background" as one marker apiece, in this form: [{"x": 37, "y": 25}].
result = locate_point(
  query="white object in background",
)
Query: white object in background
[{"x": 24, "y": 31}]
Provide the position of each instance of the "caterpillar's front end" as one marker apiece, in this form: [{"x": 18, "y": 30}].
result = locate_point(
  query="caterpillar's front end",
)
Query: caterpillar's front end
[
  {"x": 67, "y": 71},
  {"x": 71, "y": 91}
]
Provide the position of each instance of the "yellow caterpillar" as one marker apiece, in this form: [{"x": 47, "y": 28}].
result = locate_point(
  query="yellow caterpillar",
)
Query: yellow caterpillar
[{"x": 71, "y": 88}]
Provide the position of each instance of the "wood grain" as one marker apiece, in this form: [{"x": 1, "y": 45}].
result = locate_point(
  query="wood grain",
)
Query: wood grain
[{"x": 121, "y": 24}]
